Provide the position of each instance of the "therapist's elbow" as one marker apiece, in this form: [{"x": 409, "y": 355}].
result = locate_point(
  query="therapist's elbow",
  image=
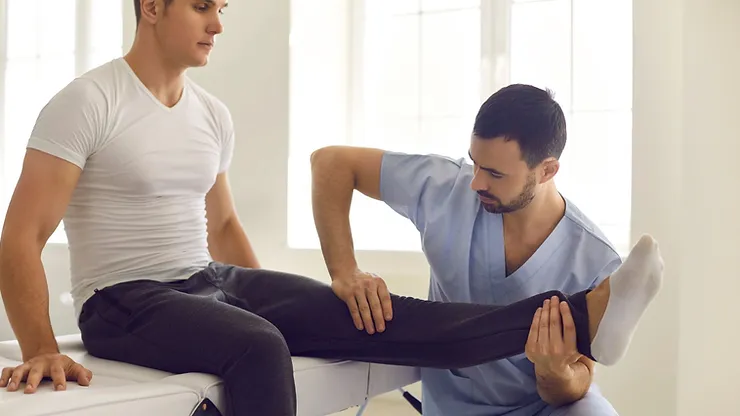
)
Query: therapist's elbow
[
  {"x": 320, "y": 156},
  {"x": 332, "y": 162}
]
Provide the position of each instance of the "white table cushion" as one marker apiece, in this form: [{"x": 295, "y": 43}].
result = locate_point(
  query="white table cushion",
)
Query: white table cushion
[{"x": 322, "y": 386}]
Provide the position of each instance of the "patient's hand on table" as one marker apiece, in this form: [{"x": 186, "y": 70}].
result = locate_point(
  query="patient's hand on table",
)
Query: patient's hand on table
[
  {"x": 367, "y": 298},
  {"x": 58, "y": 367}
]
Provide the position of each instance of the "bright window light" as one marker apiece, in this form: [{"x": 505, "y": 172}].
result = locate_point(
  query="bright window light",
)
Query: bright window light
[
  {"x": 47, "y": 43},
  {"x": 410, "y": 76}
]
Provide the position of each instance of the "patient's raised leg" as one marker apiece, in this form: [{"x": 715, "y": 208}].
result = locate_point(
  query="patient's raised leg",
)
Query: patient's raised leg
[{"x": 446, "y": 335}]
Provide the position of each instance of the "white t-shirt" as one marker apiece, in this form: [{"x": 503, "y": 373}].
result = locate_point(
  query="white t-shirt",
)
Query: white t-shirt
[{"x": 138, "y": 211}]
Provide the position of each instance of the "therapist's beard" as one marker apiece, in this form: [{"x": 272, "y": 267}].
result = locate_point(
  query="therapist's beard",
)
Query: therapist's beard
[{"x": 521, "y": 201}]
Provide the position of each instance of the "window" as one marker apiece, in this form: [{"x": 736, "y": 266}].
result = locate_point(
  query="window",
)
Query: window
[
  {"x": 44, "y": 44},
  {"x": 410, "y": 75}
]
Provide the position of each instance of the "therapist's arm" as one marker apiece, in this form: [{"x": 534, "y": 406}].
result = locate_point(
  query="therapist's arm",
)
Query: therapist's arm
[
  {"x": 563, "y": 374},
  {"x": 44, "y": 189},
  {"x": 337, "y": 171}
]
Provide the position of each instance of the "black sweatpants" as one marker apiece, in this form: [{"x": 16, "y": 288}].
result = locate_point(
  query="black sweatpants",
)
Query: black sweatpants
[{"x": 243, "y": 325}]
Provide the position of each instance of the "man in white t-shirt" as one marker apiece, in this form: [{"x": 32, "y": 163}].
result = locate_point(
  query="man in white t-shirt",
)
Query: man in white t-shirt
[{"x": 133, "y": 156}]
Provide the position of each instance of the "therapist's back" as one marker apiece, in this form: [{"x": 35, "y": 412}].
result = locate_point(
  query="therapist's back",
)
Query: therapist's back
[{"x": 494, "y": 231}]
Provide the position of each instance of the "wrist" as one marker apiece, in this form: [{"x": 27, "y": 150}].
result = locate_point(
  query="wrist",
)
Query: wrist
[
  {"x": 343, "y": 271},
  {"x": 553, "y": 375},
  {"x": 51, "y": 349}
]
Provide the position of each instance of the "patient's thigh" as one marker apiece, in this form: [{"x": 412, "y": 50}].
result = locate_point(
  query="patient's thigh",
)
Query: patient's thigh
[{"x": 592, "y": 404}]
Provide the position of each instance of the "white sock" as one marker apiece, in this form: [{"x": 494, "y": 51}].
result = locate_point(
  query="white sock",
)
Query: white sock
[{"x": 631, "y": 289}]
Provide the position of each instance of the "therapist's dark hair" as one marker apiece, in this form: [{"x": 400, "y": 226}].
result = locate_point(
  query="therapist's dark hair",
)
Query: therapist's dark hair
[
  {"x": 137, "y": 9},
  {"x": 528, "y": 115}
]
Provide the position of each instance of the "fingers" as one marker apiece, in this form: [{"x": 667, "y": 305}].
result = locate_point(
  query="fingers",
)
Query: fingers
[
  {"x": 543, "y": 337},
  {"x": 81, "y": 374},
  {"x": 365, "y": 314},
  {"x": 533, "y": 332},
  {"x": 354, "y": 311},
  {"x": 569, "y": 328},
  {"x": 5, "y": 376},
  {"x": 385, "y": 300},
  {"x": 19, "y": 374},
  {"x": 556, "y": 331},
  {"x": 368, "y": 300},
  {"x": 34, "y": 377},
  {"x": 376, "y": 309},
  {"x": 58, "y": 377}
]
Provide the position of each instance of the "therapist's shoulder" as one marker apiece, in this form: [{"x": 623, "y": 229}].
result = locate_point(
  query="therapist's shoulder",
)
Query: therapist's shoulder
[
  {"x": 424, "y": 166},
  {"x": 596, "y": 250}
]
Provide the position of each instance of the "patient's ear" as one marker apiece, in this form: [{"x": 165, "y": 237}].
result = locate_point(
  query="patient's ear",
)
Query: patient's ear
[{"x": 150, "y": 11}]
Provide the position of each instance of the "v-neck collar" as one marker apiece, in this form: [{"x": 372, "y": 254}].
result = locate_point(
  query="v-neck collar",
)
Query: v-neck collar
[
  {"x": 149, "y": 93},
  {"x": 502, "y": 282}
]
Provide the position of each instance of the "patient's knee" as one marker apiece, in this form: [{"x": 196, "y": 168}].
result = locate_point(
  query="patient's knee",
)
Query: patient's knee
[{"x": 263, "y": 346}]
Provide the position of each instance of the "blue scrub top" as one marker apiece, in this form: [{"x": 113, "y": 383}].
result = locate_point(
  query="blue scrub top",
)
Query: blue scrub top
[{"x": 464, "y": 246}]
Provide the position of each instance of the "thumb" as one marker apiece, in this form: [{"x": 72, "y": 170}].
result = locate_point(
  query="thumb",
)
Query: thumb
[{"x": 575, "y": 357}]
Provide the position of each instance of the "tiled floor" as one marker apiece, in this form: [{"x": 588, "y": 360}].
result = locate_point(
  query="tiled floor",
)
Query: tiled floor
[{"x": 389, "y": 404}]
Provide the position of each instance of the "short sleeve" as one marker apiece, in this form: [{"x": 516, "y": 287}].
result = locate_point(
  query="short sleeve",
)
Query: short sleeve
[
  {"x": 70, "y": 125},
  {"x": 415, "y": 185},
  {"x": 612, "y": 264},
  {"x": 227, "y": 153},
  {"x": 226, "y": 131}
]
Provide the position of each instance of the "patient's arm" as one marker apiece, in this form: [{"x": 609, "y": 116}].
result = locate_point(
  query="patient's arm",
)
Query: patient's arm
[
  {"x": 38, "y": 204},
  {"x": 227, "y": 241}
]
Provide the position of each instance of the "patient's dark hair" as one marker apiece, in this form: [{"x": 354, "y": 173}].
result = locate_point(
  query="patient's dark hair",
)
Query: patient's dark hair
[
  {"x": 528, "y": 115},
  {"x": 137, "y": 8}
]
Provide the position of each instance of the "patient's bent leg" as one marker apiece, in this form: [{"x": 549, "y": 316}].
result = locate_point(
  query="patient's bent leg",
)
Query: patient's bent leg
[{"x": 187, "y": 327}]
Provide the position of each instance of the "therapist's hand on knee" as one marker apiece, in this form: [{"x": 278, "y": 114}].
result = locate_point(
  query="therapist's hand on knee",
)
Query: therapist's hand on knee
[
  {"x": 57, "y": 367},
  {"x": 367, "y": 298}
]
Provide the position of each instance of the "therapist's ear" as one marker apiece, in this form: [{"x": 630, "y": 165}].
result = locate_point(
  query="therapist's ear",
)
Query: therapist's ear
[{"x": 549, "y": 168}]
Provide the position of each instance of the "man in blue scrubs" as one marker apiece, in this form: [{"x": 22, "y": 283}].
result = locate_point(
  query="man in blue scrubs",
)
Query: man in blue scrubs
[{"x": 494, "y": 232}]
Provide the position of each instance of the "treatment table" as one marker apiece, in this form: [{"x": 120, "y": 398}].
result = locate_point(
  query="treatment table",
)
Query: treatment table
[{"x": 117, "y": 389}]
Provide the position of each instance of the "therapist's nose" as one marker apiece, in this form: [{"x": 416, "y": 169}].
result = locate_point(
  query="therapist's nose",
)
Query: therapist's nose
[{"x": 478, "y": 183}]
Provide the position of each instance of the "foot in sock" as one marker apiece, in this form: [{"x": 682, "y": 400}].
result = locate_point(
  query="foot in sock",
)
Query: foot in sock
[{"x": 616, "y": 306}]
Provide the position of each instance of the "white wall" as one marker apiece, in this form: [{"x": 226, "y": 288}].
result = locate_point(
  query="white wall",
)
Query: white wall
[
  {"x": 686, "y": 131},
  {"x": 686, "y": 142},
  {"x": 709, "y": 331}
]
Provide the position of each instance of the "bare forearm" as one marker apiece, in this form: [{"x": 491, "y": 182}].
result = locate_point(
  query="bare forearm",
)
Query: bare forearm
[
  {"x": 561, "y": 389},
  {"x": 25, "y": 294},
  {"x": 332, "y": 189},
  {"x": 230, "y": 245}
]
